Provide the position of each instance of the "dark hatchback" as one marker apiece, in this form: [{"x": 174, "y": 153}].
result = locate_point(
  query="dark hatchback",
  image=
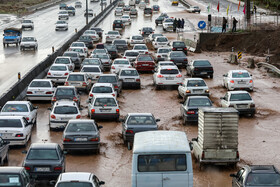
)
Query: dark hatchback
[
  {"x": 201, "y": 68},
  {"x": 66, "y": 93},
  {"x": 178, "y": 58},
  {"x": 148, "y": 12},
  {"x": 118, "y": 25},
  {"x": 15, "y": 177},
  {"x": 112, "y": 50},
  {"x": 121, "y": 45},
  {"x": 146, "y": 31},
  {"x": 87, "y": 40},
  {"x": 179, "y": 46},
  {"x": 98, "y": 30}
]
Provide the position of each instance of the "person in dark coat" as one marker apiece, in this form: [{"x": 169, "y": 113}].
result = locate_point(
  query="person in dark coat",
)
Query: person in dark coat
[
  {"x": 183, "y": 24},
  {"x": 224, "y": 24},
  {"x": 175, "y": 24},
  {"x": 179, "y": 23},
  {"x": 234, "y": 22}
]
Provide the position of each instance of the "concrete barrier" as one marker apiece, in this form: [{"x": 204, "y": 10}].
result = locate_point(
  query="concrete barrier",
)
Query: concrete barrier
[{"x": 41, "y": 69}]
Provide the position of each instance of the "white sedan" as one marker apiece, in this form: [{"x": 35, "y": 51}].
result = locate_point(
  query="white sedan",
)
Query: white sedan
[
  {"x": 126, "y": 19},
  {"x": 28, "y": 43},
  {"x": 58, "y": 73},
  {"x": 81, "y": 50},
  {"x": 61, "y": 25},
  {"x": 167, "y": 75},
  {"x": 93, "y": 34},
  {"x": 238, "y": 79},
  {"x": 112, "y": 35},
  {"x": 167, "y": 24},
  {"x": 93, "y": 71},
  {"x": 162, "y": 53},
  {"x": 40, "y": 89},
  {"x": 136, "y": 39},
  {"x": 120, "y": 63},
  {"x": 160, "y": 41},
  {"x": 141, "y": 48}
]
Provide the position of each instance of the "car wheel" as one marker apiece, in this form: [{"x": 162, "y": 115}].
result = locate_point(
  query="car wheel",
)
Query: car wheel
[
  {"x": 184, "y": 121},
  {"x": 157, "y": 87},
  {"x": 7, "y": 157},
  {"x": 97, "y": 151},
  {"x": 252, "y": 114},
  {"x": 1, "y": 161},
  {"x": 129, "y": 145},
  {"x": 211, "y": 76}
]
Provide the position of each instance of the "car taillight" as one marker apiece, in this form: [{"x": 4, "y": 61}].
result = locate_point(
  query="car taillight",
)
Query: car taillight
[
  {"x": 179, "y": 75},
  {"x": 188, "y": 91},
  {"x": 84, "y": 83},
  {"x": 251, "y": 81},
  {"x": 117, "y": 111},
  {"x": 113, "y": 25},
  {"x": 19, "y": 135},
  {"x": 75, "y": 99},
  {"x": 94, "y": 139},
  {"x": 143, "y": 33},
  {"x": 91, "y": 95},
  {"x": 107, "y": 37},
  {"x": 232, "y": 81},
  {"x": 71, "y": 67},
  {"x": 67, "y": 140},
  {"x": 29, "y": 92},
  {"x": 172, "y": 60},
  {"x": 252, "y": 105},
  {"x": 27, "y": 118},
  {"x": 131, "y": 40},
  {"x": 49, "y": 73},
  {"x": 116, "y": 86},
  {"x": 66, "y": 84},
  {"x": 237, "y": 154},
  {"x": 185, "y": 59},
  {"x": 124, "y": 57},
  {"x": 185, "y": 48},
  {"x": 158, "y": 56},
  {"x": 66, "y": 73},
  {"x": 121, "y": 24},
  {"x": 159, "y": 76},
  {"x": 53, "y": 116},
  {"x": 206, "y": 91},
  {"x": 48, "y": 92},
  {"x": 54, "y": 99},
  {"x": 78, "y": 116},
  {"x": 146, "y": 52},
  {"x": 114, "y": 95},
  {"x": 231, "y": 105},
  {"x": 191, "y": 112},
  {"x": 202, "y": 155},
  {"x": 195, "y": 69},
  {"x": 137, "y": 80},
  {"x": 173, "y": 48},
  {"x": 129, "y": 131},
  {"x": 113, "y": 67},
  {"x": 92, "y": 111},
  {"x": 27, "y": 168},
  {"x": 57, "y": 168}
]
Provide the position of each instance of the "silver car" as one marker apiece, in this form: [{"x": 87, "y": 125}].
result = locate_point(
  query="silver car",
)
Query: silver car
[
  {"x": 102, "y": 89},
  {"x": 75, "y": 57},
  {"x": 192, "y": 87},
  {"x": 80, "y": 80},
  {"x": 111, "y": 35},
  {"x": 129, "y": 77},
  {"x": 29, "y": 43},
  {"x": 93, "y": 62}
]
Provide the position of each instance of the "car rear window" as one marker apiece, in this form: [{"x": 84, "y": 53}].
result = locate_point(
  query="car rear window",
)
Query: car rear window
[
  {"x": 134, "y": 54},
  {"x": 199, "y": 102},
  {"x": 162, "y": 39},
  {"x": 263, "y": 179},
  {"x": 15, "y": 108},
  {"x": 28, "y": 39},
  {"x": 71, "y": 54},
  {"x": 118, "y": 21},
  {"x": 91, "y": 69},
  {"x": 240, "y": 97},
  {"x": 58, "y": 68},
  {"x": 64, "y": 92},
  {"x": 80, "y": 127},
  {"x": 10, "y": 123},
  {"x": 141, "y": 120},
  {"x": 118, "y": 42},
  {"x": 129, "y": 73},
  {"x": 240, "y": 75},
  {"x": 113, "y": 33},
  {"x": 178, "y": 44},
  {"x": 102, "y": 89},
  {"x": 201, "y": 63},
  {"x": 137, "y": 37},
  {"x": 105, "y": 102},
  {"x": 164, "y": 50},
  {"x": 148, "y": 29},
  {"x": 10, "y": 180},
  {"x": 107, "y": 79},
  {"x": 42, "y": 154},
  {"x": 194, "y": 83},
  {"x": 62, "y": 60},
  {"x": 162, "y": 162},
  {"x": 74, "y": 184},
  {"x": 44, "y": 84},
  {"x": 169, "y": 71},
  {"x": 76, "y": 78},
  {"x": 182, "y": 54},
  {"x": 140, "y": 47},
  {"x": 99, "y": 51},
  {"x": 156, "y": 35},
  {"x": 145, "y": 58},
  {"x": 121, "y": 62},
  {"x": 101, "y": 56},
  {"x": 91, "y": 61},
  {"x": 77, "y": 50},
  {"x": 65, "y": 110}
]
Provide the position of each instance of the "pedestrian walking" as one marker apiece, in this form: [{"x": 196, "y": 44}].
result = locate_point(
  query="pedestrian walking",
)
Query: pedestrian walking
[
  {"x": 255, "y": 9},
  {"x": 234, "y": 22},
  {"x": 224, "y": 24},
  {"x": 183, "y": 24},
  {"x": 175, "y": 24},
  {"x": 179, "y": 24}
]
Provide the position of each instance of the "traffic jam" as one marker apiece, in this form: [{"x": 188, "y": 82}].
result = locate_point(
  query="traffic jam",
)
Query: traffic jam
[{"x": 124, "y": 107}]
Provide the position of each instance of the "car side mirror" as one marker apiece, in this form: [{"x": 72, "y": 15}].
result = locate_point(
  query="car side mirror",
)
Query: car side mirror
[
  {"x": 232, "y": 175},
  {"x": 36, "y": 107},
  {"x": 191, "y": 145},
  {"x": 157, "y": 120},
  {"x": 100, "y": 127},
  {"x": 225, "y": 75},
  {"x": 101, "y": 182},
  {"x": 24, "y": 152}
]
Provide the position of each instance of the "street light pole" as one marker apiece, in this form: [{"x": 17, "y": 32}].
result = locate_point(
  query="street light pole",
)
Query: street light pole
[{"x": 86, "y": 11}]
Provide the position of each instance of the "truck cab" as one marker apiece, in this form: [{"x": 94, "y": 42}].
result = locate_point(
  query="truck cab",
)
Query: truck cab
[{"x": 12, "y": 36}]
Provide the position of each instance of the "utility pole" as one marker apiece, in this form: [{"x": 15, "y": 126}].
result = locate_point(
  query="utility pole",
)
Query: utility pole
[
  {"x": 248, "y": 12},
  {"x": 86, "y": 12}
]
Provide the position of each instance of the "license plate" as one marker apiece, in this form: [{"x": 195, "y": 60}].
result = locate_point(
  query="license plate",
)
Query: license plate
[
  {"x": 196, "y": 91},
  {"x": 145, "y": 64},
  {"x": 129, "y": 80},
  {"x": 42, "y": 169},
  {"x": 64, "y": 118},
  {"x": 242, "y": 106},
  {"x": 105, "y": 110},
  {"x": 39, "y": 92},
  {"x": 56, "y": 74},
  {"x": 241, "y": 82},
  {"x": 80, "y": 139},
  {"x": 203, "y": 73},
  {"x": 169, "y": 78},
  {"x": 74, "y": 83},
  {"x": 164, "y": 55},
  {"x": 179, "y": 48}
]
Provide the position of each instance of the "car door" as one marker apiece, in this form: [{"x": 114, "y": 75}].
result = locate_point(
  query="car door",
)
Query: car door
[
  {"x": 236, "y": 180},
  {"x": 182, "y": 88},
  {"x": 33, "y": 112},
  {"x": 2, "y": 149},
  {"x": 26, "y": 128},
  {"x": 226, "y": 79},
  {"x": 225, "y": 101}
]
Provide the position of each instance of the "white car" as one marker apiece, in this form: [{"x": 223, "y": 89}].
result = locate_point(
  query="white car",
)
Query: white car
[
  {"x": 61, "y": 112},
  {"x": 119, "y": 11},
  {"x": 136, "y": 39},
  {"x": 102, "y": 89},
  {"x": 80, "y": 44},
  {"x": 20, "y": 108},
  {"x": 120, "y": 63},
  {"x": 112, "y": 35},
  {"x": 238, "y": 79},
  {"x": 80, "y": 80},
  {"x": 240, "y": 100},
  {"x": 129, "y": 77},
  {"x": 27, "y": 23},
  {"x": 15, "y": 129},
  {"x": 167, "y": 24},
  {"x": 164, "y": 63},
  {"x": 160, "y": 41},
  {"x": 28, "y": 43},
  {"x": 126, "y": 19},
  {"x": 63, "y": 14},
  {"x": 194, "y": 9},
  {"x": 152, "y": 36},
  {"x": 65, "y": 60},
  {"x": 58, "y": 73},
  {"x": 78, "y": 179},
  {"x": 131, "y": 55},
  {"x": 61, "y": 25},
  {"x": 93, "y": 34},
  {"x": 141, "y": 48},
  {"x": 167, "y": 75},
  {"x": 81, "y": 50},
  {"x": 142, "y": 5},
  {"x": 103, "y": 107},
  {"x": 162, "y": 53},
  {"x": 193, "y": 87},
  {"x": 93, "y": 71},
  {"x": 40, "y": 89}
]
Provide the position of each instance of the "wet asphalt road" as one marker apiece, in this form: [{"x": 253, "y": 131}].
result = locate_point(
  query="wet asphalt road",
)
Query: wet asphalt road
[{"x": 258, "y": 136}]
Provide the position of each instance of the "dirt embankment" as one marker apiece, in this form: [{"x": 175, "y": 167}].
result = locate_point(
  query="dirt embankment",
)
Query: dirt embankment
[
  {"x": 17, "y": 6},
  {"x": 256, "y": 43}
]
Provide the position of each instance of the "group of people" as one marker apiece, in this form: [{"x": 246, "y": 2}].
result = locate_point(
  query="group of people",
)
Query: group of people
[
  {"x": 224, "y": 25},
  {"x": 180, "y": 23}
]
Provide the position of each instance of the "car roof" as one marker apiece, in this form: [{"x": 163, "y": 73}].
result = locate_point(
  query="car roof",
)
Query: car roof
[
  {"x": 127, "y": 69},
  {"x": 140, "y": 114},
  {"x": 43, "y": 145},
  {"x": 198, "y": 97},
  {"x": 91, "y": 66},
  {"x": 64, "y": 56},
  {"x": 238, "y": 92},
  {"x": 17, "y": 102},
  {"x": 102, "y": 84},
  {"x": 104, "y": 96},
  {"x": 81, "y": 120},
  {"x": 132, "y": 51},
  {"x": 188, "y": 79},
  {"x": 237, "y": 71},
  {"x": 60, "y": 65},
  {"x": 11, "y": 169},
  {"x": 106, "y": 75},
  {"x": 263, "y": 169},
  {"x": 45, "y": 80},
  {"x": 64, "y": 102},
  {"x": 73, "y": 176},
  {"x": 161, "y": 142},
  {"x": 67, "y": 87},
  {"x": 169, "y": 67},
  {"x": 77, "y": 73},
  {"x": 11, "y": 117}
]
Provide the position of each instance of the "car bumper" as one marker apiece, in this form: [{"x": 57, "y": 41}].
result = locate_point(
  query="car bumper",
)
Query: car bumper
[
  {"x": 105, "y": 116},
  {"x": 198, "y": 94},
  {"x": 144, "y": 68},
  {"x": 219, "y": 161},
  {"x": 247, "y": 111},
  {"x": 240, "y": 87},
  {"x": 81, "y": 146},
  {"x": 61, "y": 28},
  {"x": 203, "y": 73},
  {"x": 44, "y": 175},
  {"x": 26, "y": 26},
  {"x": 174, "y": 82},
  {"x": 39, "y": 97},
  {"x": 131, "y": 84},
  {"x": 28, "y": 46},
  {"x": 21, "y": 141},
  {"x": 191, "y": 118},
  {"x": 57, "y": 79},
  {"x": 129, "y": 137},
  {"x": 58, "y": 124}
]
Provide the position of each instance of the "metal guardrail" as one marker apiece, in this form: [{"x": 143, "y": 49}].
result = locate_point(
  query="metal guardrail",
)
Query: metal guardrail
[
  {"x": 185, "y": 3},
  {"x": 269, "y": 66}
]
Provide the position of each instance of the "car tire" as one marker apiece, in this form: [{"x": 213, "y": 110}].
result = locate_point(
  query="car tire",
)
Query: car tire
[
  {"x": 1, "y": 162},
  {"x": 185, "y": 122},
  {"x": 7, "y": 158},
  {"x": 157, "y": 87},
  {"x": 129, "y": 145},
  {"x": 97, "y": 151},
  {"x": 252, "y": 114},
  {"x": 211, "y": 76}
]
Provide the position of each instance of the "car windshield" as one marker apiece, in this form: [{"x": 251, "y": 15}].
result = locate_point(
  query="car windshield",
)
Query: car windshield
[
  {"x": 180, "y": 54},
  {"x": 195, "y": 83},
  {"x": 26, "y": 21},
  {"x": 102, "y": 89},
  {"x": 80, "y": 127},
  {"x": 240, "y": 97},
  {"x": 65, "y": 92},
  {"x": 162, "y": 39},
  {"x": 91, "y": 69},
  {"x": 42, "y": 154},
  {"x": 129, "y": 73},
  {"x": 44, "y": 84},
  {"x": 15, "y": 108},
  {"x": 99, "y": 51},
  {"x": 135, "y": 54},
  {"x": 137, "y": 38},
  {"x": 107, "y": 79},
  {"x": 58, "y": 68},
  {"x": 166, "y": 64},
  {"x": 178, "y": 44},
  {"x": 169, "y": 71},
  {"x": 10, "y": 180},
  {"x": 77, "y": 44},
  {"x": 28, "y": 39},
  {"x": 123, "y": 42},
  {"x": 65, "y": 110},
  {"x": 74, "y": 54},
  {"x": 60, "y": 22},
  {"x": 169, "y": 20},
  {"x": 148, "y": 29},
  {"x": 78, "y": 50},
  {"x": 263, "y": 179},
  {"x": 113, "y": 33},
  {"x": 141, "y": 120},
  {"x": 62, "y": 60},
  {"x": 110, "y": 47},
  {"x": 105, "y": 102},
  {"x": 156, "y": 35},
  {"x": 85, "y": 38},
  {"x": 202, "y": 63},
  {"x": 145, "y": 58},
  {"x": 240, "y": 75},
  {"x": 76, "y": 78},
  {"x": 10, "y": 123},
  {"x": 199, "y": 102},
  {"x": 91, "y": 61},
  {"x": 125, "y": 17},
  {"x": 164, "y": 50},
  {"x": 101, "y": 56},
  {"x": 74, "y": 184},
  {"x": 140, "y": 47},
  {"x": 121, "y": 62}
]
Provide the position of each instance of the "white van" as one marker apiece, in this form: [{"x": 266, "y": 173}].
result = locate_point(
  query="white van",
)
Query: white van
[{"x": 161, "y": 158}]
